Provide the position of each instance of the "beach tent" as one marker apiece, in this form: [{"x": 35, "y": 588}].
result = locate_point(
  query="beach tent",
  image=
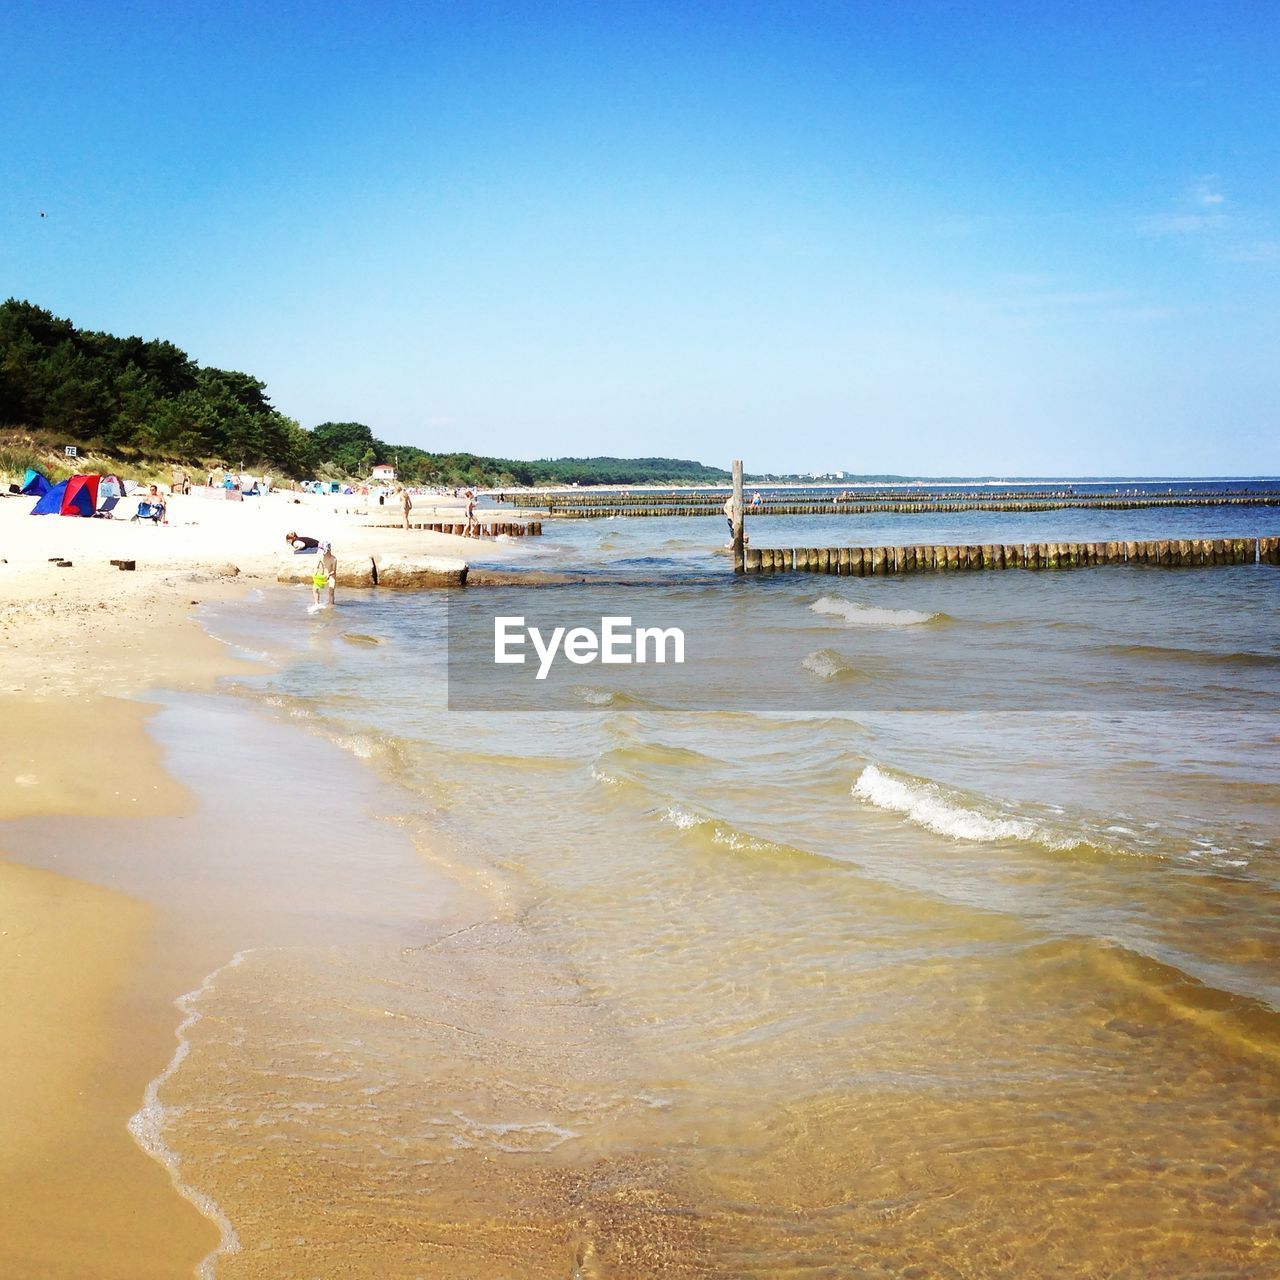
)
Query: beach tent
[
  {"x": 34, "y": 485},
  {"x": 75, "y": 497},
  {"x": 81, "y": 498},
  {"x": 51, "y": 503}
]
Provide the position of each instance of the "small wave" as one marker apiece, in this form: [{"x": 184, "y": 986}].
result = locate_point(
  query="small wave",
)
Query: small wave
[
  {"x": 930, "y": 806},
  {"x": 678, "y": 816},
  {"x": 1217, "y": 1001},
  {"x": 361, "y": 745},
  {"x": 1198, "y": 657},
  {"x": 827, "y": 664},
  {"x": 147, "y": 1125},
  {"x": 356, "y": 637},
  {"x": 856, "y": 614},
  {"x": 596, "y": 697},
  {"x": 293, "y": 706},
  {"x": 718, "y": 832}
]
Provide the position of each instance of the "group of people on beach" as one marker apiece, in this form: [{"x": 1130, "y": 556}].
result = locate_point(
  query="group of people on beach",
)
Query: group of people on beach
[{"x": 473, "y": 523}]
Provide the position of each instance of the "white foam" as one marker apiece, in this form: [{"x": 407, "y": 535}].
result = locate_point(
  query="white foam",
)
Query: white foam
[
  {"x": 869, "y": 615},
  {"x": 680, "y": 817},
  {"x": 825, "y": 664},
  {"x": 538, "y": 1136},
  {"x": 925, "y": 804},
  {"x": 147, "y": 1125}
]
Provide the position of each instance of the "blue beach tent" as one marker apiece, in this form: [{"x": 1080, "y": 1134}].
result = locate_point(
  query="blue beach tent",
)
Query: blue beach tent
[
  {"x": 34, "y": 485},
  {"x": 51, "y": 503}
]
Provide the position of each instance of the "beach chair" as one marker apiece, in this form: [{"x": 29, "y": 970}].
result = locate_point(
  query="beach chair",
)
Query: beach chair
[{"x": 153, "y": 511}]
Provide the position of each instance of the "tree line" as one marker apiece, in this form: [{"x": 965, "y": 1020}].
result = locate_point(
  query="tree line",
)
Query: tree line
[{"x": 151, "y": 400}]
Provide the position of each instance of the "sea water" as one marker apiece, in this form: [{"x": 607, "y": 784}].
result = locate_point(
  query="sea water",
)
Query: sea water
[{"x": 943, "y": 942}]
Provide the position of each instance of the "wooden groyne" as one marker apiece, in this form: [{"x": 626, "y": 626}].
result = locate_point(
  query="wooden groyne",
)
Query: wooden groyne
[
  {"x": 488, "y": 529},
  {"x": 911, "y": 507},
  {"x": 771, "y": 498},
  {"x": 862, "y": 562}
]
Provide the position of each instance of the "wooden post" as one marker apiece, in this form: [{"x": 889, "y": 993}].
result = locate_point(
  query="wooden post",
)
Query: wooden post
[{"x": 738, "y": 541}]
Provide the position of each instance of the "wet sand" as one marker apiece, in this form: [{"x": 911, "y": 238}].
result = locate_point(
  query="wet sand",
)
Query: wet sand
[
  {"x": 146, "y": 843},
  {"x": 80, "y": 1025},
  {"x": 79, "y": 1198},
  {"x": 126, "y": 899}
]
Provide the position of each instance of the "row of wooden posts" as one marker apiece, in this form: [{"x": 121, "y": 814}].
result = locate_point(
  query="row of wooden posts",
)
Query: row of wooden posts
[
  {"x": 488, "y": 529},
  {"x": 913, "y": 508},
  {"x": 616, "y": 501},
  {"x": 862, "y": 562}
]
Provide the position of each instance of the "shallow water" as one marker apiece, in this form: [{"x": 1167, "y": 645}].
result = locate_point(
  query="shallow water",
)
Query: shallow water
[{"x": 945, "y": 946}]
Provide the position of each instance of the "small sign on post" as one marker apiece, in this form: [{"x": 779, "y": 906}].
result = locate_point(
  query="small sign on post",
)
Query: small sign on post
[{"x": 70, "y": 451}]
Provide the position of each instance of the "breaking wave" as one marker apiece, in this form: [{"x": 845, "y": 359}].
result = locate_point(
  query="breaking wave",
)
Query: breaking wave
[
  {"x": 827, "y": 664},
  {"x": 855, "y": 614},
  {"x": 950, "y": 813}
]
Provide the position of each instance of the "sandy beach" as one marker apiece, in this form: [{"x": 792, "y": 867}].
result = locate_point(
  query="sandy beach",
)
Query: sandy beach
[{"x": 89, "y": 971}]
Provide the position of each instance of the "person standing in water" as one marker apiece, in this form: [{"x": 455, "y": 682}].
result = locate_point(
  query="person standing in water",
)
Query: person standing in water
[
  {"x": 325, "y": 578},
  {"x": 728, "y": 515}
]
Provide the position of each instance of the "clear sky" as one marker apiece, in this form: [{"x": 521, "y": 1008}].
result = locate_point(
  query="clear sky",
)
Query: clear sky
[{"x": 912, "y": 237}]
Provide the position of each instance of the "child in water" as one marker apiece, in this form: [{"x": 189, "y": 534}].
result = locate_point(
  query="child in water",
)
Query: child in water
[{"x": 325, "y": 577}]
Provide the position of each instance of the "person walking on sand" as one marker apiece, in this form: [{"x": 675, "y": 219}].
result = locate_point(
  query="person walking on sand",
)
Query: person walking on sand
[{"x": 407, "y": 503}]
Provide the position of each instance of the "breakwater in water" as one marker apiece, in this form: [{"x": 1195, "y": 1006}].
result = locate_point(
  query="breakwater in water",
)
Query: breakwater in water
[
  {"x": 487, "y": 529},
  {"x": 828, "y": 495},
  {"x": 861, "y": 562},
  {"x": 829, "y": 507}
]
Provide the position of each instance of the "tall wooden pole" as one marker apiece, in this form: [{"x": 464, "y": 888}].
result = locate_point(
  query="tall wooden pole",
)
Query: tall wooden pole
[{"x": 738, "y": 509}]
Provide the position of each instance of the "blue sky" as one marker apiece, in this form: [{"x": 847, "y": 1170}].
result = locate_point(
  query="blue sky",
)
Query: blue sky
[{"x": 912, "y": 237}]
